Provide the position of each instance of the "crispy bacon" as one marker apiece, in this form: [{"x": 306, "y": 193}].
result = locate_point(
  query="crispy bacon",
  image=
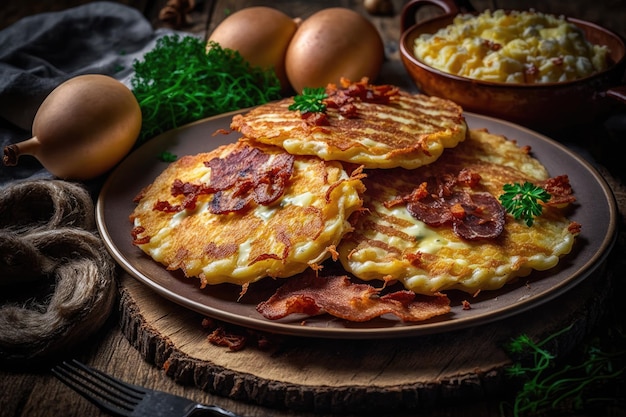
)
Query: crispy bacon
[
  {"x": 249, "y": 175},
  {"x": 166, "y": 207},
  {"x": 140, "y": 195},
  {"x": 417, "y": 194},
  {"x": 221, "y": 203},
  {"x": 472, "y": 215},
  {"x": 338, "y": 296},
  {"x": 185, "y": 188},
  {"x": 343, "y": 97},
  {"x": 190, "y": 191},
  {"x": 560, "y": 190},
  {"x": 468, "y": 177},
  {"x": 270, "y": 183},
  {"x": 434, "y": 211},
  {"x": 349, "y": 111},
  {"x": 484, "y": 218},
  {"x": 415, "y": 258},
  {"x": 237, "y": 338},
  {"x": 315, "y": 119},
  {"x": 237, "y": 180},
  {"x": 135, "y": 234},
  {"x": 233, "y": 341},
  {"x": 236, "y": 168},
  {"x": 361, "y": 90},
  {"x": 574, "y": 228}
]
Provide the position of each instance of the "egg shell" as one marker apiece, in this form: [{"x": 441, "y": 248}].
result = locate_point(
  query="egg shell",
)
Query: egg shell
[{"x": 333, "y": 43}]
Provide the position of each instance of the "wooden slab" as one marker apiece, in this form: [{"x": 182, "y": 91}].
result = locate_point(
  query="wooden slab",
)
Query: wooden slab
[{"x": 350, "y": 375}]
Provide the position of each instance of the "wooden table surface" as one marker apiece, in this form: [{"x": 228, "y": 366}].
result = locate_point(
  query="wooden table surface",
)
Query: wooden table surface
[{"x": 35, "y": 393}]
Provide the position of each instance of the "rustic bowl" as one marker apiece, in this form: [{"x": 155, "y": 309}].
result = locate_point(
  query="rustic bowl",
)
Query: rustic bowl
[{"x": 545, "y": 107}]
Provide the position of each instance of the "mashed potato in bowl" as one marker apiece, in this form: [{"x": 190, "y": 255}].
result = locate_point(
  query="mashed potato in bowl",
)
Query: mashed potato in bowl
[{"x": 512, "y": 47}]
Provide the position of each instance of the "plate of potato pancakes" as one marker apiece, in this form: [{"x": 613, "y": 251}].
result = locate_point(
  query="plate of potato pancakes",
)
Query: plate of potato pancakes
[{"x": 357, "y": 211}]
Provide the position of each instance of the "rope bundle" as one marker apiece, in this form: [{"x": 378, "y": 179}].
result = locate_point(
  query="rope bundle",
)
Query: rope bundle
[{"x": 54, "y": 263}]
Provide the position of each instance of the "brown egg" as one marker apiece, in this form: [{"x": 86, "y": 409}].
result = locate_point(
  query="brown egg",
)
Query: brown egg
[{"x": 330, "y": 44}]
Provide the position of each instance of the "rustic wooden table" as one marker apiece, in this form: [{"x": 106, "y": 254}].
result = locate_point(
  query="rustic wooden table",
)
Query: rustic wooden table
[{"x": 35, "y": 393}]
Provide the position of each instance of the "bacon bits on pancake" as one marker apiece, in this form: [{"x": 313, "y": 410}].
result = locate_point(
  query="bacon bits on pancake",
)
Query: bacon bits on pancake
[
  {"x": 243, "y": 212},
  {"x": 439, "y": 227},
  {"x": 374, "y": 126},
  {"x": 338, "y": 296}
]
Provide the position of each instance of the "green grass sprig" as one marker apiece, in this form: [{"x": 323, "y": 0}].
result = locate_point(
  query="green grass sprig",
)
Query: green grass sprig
[
  {"x": 573, "y": 387},
  {"x": 179, "y": 82}
]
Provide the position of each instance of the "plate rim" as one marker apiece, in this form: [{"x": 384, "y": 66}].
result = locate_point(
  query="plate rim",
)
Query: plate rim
[{"x": 417, "y": 329}]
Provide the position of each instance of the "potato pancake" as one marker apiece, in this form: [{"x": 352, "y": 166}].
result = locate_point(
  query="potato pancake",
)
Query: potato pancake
[
  {"x": 374, "y": 126},
  {"x": 463, "y": 239},
  {"x": 242, "y": 212}
]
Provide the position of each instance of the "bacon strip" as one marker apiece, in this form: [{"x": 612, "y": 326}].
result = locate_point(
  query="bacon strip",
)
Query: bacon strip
[
  {"x": 343, "y": 97},
  {"x": 560, "y": 189},
  {"x": 237, "y": 180},
  {"x": 436, "y": 202},
  {"x": 338, "y": 296}
]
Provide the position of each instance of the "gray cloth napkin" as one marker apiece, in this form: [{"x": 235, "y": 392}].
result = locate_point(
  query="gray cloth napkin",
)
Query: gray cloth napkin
[{"x": 39, "y": 52}]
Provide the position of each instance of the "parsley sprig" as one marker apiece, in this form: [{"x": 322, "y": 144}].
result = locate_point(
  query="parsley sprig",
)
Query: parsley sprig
[
  {"x": 167, "y": 156},
  {"x": 181, "y": 80},
  {"x": 310, "y": 101},
  {"x": 585, "y": 383},
  {"x": 523, "y": 201}
]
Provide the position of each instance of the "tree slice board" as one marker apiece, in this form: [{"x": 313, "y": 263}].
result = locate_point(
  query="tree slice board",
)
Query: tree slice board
[{"x": 338, "y": 376}]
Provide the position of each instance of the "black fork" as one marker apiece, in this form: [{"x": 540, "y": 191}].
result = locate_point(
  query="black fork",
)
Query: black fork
[{"x": 126, "y": 400}]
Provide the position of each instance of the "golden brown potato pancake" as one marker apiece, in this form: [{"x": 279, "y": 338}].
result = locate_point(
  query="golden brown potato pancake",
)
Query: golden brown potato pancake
[
  {"x": 375, "y": 126},
  {"x": 441, "y": 252},
  {"x": 242, "y": 212}
]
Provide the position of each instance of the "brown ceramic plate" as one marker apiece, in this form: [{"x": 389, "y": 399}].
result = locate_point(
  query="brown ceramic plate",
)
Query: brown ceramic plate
[{"x": 595, "y": 210}]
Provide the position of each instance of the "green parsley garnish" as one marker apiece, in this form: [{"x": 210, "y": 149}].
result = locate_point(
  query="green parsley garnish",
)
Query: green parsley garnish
[
  {"x": 181, "y": 80},
  {"x": 310, "y": 101},
  {"x": 167, "y": 156},
  {"x": 522, "y": 201}
]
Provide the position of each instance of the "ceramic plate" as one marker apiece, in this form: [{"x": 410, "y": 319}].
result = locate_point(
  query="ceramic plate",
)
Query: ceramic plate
[{"x": 595, "y": 210}]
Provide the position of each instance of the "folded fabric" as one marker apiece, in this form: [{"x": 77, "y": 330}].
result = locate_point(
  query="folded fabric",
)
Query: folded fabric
[{"x": 39, "y": 52}]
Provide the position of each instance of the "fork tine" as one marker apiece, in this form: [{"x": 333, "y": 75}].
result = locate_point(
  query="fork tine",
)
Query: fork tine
[
  {"x": 132, "y": 391},
  {"x": 99, "y": 388}
]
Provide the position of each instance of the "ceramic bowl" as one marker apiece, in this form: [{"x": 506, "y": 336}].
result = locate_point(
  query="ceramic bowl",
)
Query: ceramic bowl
[{"x": 545, "y": 107}]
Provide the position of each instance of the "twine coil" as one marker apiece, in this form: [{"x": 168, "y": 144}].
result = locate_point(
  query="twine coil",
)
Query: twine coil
[{"x": 48, "y": 239}]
